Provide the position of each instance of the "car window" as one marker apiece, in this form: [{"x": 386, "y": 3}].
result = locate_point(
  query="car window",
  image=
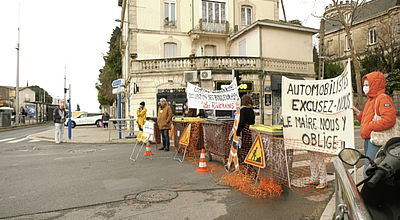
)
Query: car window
[{"x": 82, "y": 116}]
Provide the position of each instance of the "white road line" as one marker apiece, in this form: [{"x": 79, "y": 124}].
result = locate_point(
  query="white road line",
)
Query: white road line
[
  {"x": 16, "y": 141},
  {"x": 33, "y": 141},
  {"x": 7, "y": 139}
]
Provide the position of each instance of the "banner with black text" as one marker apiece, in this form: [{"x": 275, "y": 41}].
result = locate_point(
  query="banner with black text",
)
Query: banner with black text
[
  {"x": 318, "y": 113},
  {"x": 224, "y": 99}
]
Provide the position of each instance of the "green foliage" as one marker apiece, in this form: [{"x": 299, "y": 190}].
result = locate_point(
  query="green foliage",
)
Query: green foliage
[
  {"x": 298, "y": 22},
  {"x": 39, "y": 94},
  {"x": 375, "y": 63},
  {"x": 332, "y": 70},
  {"x": 357, "y": 123},
  {"x": 111, "y": 71},
  {"x": 393, "y": 81}
]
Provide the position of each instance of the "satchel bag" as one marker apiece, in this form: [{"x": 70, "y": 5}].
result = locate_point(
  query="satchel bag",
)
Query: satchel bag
[{"x": 380, "y": 138}]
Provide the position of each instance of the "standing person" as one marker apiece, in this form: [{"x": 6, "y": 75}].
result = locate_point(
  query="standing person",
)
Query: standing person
[
  {"x": 59, "y": 115},
  {"x": 105, "y": 119},
  {"x": 141, "y": 115},
  {"x": 247, "y": 118},
  {"x": 374, "y": 88},
  {"x": 318, "y": 170},
  {"x": 188, "y": 112},
  {"x": 164, "y": 122}
]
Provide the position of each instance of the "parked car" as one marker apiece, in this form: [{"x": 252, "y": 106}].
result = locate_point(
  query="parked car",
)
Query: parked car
[{"x": 85, "y": 119}]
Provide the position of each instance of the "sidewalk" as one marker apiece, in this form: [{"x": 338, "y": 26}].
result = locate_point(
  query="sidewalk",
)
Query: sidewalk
[{"x": 85, "y": 134}]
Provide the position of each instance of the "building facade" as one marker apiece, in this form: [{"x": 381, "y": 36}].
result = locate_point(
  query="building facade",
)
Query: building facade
[
  {"x": 167, "y": 43},
  {"x": 376, "y": 26}
]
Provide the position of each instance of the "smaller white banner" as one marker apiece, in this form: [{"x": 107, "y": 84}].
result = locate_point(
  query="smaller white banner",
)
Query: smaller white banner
[{"x": 224, "y": 99}]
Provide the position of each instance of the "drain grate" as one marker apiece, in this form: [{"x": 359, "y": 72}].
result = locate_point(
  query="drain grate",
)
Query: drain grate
[{"x": 158, "y": 195}]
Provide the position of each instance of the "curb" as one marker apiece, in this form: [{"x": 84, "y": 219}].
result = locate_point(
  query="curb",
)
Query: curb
[
  {"x": 23, "y": 126},
  {"x": 33, "y": 137}
]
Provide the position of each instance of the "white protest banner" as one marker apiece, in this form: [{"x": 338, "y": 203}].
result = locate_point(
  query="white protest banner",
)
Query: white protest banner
[
  {"x": 224, "y": 99},
  {"x": 318, "y": 113}
]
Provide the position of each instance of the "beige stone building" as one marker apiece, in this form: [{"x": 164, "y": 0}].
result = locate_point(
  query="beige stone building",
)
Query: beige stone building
[
  {"x": 167, "y": 43},
  {"x": 376, "y": 24}
]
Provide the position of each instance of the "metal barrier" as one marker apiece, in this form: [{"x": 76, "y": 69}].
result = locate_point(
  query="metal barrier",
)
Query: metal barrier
[
  {"x": 127, "y": 126},
  {"x": 349, "y": 204}
]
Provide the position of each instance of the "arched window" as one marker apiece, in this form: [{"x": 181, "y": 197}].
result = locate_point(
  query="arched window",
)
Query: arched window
[
  {"x": 246, "y": 15},
  {"x": 170, "y": 50}
]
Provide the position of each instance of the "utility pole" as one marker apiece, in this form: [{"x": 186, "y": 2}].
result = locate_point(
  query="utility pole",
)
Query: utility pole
[
  {"x": 69, "y": 113},
  {"x": 17, "y": 85},
  {"x": 65, "y": 83}
]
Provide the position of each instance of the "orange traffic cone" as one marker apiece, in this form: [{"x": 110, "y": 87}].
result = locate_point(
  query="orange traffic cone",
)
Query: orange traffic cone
[
  {"x": 148, "y": 150},
  {"x": 202, "y": 164}
]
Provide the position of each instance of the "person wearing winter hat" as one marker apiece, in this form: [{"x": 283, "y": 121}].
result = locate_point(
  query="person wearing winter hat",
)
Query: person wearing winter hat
[{"x": 141, "y": 116}]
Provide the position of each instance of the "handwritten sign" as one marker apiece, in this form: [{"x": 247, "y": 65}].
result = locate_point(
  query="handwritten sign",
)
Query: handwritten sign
[
  {"x": 224, "y": 99},
  {"x": 318, "y": 113},
  {"x": 148, "y": 127}
]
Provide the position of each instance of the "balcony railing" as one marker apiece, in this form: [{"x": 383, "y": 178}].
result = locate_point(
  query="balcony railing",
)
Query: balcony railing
[
  {"x": 221, "y": 62},
  {"x": 206, "y": 26}
]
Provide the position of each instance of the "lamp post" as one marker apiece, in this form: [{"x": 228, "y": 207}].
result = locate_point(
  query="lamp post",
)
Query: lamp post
[{"x": 17, "y": 85}]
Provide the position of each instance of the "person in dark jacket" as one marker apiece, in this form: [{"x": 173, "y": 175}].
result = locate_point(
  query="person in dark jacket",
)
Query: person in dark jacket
[
  {"x": 247, "y": 118},
  {"x": 59, "y": 115},
  {"x": 104, "y": 118}
]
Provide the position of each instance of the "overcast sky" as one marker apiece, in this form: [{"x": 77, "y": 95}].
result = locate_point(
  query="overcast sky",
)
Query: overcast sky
[{"x": 74, "y": 33}]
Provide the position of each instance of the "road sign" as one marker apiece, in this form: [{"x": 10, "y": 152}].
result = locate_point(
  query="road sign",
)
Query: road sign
[
  {"x": 185, "y": 136},
  {"x": 118, "y": 90},
  {"x": 118, "y": 82},
  {"x": 256, "y": 155}
]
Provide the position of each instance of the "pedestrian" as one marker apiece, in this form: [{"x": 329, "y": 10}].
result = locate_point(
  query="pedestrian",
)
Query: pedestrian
[
  {"x": 164, "y": 122},
  {"x": 104, "y": 118},
  {"x": 141, "y": 115},
  {"x": 378, "y": 102},
  {"x": 59, "y": 115},
  {"x": 188, "y": 112},
  {"x": 318, "y": 170},
  {"x": 247, "y": 118}
]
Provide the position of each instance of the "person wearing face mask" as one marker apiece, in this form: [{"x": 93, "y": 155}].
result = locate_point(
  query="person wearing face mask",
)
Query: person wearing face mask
[{"x": 374, "y": 88}]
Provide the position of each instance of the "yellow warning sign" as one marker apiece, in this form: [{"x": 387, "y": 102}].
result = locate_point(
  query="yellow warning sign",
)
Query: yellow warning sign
[
  {"x": 185, "y": 136},
  {"x": 139, "y": 136},
  {"x": 144, "y": 137},
  {"x": 256, "y": 156}
]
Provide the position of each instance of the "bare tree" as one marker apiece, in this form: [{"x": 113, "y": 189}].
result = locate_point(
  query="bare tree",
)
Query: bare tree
[
  {"x": 387, "y": 40},
  {"x": 346, "y": 16}
]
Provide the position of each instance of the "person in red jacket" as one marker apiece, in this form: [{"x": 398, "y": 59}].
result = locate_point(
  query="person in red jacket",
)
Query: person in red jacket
[{"x": 374, "y": 88}]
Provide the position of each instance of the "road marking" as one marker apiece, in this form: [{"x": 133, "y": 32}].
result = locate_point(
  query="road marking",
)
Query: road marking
[
  {"x": 16, "y": 141},
  {"x": 7, "y": 139},
  {"x": 33, "y": 141}
]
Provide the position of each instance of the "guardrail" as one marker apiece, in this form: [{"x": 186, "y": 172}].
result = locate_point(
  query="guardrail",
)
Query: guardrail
[
  {"x": 127, "y": 126},
  {"x": 349, "y": 204}
]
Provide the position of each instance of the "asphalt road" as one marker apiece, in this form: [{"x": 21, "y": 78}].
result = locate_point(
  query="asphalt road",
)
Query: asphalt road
[{"x": 43, "y": 180}]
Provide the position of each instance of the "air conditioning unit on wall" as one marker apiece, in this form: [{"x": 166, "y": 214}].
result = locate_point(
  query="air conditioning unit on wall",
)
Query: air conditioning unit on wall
[
  {"x": 205, "y": 74},
  {"x": 190, "y": 76}
]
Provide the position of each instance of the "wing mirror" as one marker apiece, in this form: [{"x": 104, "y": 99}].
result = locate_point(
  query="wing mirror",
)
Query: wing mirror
[{"x": 350, "y": 156}]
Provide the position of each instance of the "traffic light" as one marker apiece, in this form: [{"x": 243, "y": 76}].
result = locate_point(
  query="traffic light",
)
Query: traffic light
[{"x": 238, "y": 76}]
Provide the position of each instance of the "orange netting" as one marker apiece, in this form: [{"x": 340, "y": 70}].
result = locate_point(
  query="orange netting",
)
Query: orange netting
[
  {"x": 245, "y": 182},
  {"x": 288, "y": 166}
]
